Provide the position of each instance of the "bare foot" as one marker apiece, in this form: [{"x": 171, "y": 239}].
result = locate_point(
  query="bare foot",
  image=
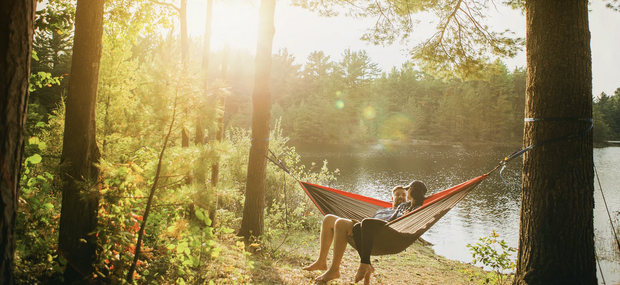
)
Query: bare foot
[
  {"x": 327, "y": 276},
  {"x": 316, "y": 266},
  {"x": 367, "y": 276},
  {"x": 363, "y": 272}
]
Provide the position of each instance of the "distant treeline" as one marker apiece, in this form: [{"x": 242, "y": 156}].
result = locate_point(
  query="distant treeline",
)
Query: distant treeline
[
  {"x": 352, "y": 100},
  {"x": 607, "y": 117}
]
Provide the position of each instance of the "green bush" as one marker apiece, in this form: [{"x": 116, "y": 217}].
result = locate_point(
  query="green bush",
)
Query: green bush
[{"x": 495, "y": 254}]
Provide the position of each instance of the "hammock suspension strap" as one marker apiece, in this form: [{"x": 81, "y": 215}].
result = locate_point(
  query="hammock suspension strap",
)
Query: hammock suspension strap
[
  {"x": 277, "y": 161},
  {"x": 520, "y": 152}
]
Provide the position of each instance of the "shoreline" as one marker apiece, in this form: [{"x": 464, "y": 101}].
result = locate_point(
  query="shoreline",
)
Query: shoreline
[{"x": 414, "y": 142}]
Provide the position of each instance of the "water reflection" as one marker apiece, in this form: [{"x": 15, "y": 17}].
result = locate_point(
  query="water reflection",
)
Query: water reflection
[{"x": 372, "y": 170}]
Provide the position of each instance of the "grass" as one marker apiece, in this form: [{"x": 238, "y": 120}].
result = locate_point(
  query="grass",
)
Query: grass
[{"x": 417, "y": 265}]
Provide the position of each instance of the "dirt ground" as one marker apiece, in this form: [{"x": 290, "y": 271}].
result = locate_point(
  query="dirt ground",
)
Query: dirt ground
[{"x": 417, "y": 265}]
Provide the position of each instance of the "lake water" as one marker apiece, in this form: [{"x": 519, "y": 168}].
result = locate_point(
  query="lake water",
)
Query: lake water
[{"x": 373, "y": 170}]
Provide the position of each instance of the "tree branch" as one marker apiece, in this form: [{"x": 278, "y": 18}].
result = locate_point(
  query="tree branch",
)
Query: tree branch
[
  {"x": 132, "y": 268},
  {"x": 167, "y": 4},
  {"x": 448, "y": 19}
]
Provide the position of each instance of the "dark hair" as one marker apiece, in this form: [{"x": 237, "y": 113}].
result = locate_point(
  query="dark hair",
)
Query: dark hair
[{"x": 417, "y": 190}]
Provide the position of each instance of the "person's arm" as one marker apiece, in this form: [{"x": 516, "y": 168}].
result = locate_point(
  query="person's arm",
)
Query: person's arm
[{"x": 401, "y": 208}]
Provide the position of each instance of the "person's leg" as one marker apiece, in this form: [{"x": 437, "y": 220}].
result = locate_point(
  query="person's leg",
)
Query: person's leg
[
  {"x": 368, "y": 229},
  {"x": 342, "y": 229},
  {"x": 326, "y": 237},
  {"x": 357, "y": 238},
  {"x": 363, "y": 271}
]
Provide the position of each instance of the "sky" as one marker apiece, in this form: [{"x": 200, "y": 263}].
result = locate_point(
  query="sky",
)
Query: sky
[{"x": 302, "y": 32}]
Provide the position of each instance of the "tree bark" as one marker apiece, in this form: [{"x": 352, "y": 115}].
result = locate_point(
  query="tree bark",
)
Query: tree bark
[
  {"x": 215, "y": 167},
  {"x": 80, "y": 153},
  {"x": 184, "y": 137},
  {"x": 206, "y": 52},
  {"x": 16, "y": 29},
  {"x": 556, "y": 240},
  {"x": 184, "y": 40},
  {"x": 206, "y": 49},
  {"x": 253, "y": 212}
]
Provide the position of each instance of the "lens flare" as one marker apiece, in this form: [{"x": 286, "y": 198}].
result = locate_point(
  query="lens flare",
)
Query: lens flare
[
  {"x": 369, "y": 112},
  {"x": 339, "y": 104},
  {"x": 395, "y": 130},
  {"x": 338, "y": 93}
]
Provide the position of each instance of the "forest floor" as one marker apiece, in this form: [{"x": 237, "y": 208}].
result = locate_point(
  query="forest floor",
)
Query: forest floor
[{"x": 417, "y": 265}]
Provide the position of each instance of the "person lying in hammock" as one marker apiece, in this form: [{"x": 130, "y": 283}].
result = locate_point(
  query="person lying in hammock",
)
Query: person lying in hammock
[
  {"x": 364, "y": 232},
  {"x": 338, "y": 230}
]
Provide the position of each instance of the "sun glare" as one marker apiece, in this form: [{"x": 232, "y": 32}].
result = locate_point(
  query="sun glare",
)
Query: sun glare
[{"x": 234, "y": 23}]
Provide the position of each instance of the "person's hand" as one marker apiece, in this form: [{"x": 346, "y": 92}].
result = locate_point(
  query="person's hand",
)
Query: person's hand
[{"x": 411, "y": 208}]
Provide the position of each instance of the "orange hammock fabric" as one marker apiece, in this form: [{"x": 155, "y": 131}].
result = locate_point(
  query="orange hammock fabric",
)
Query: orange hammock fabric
[{"x": 396, "y": 235}]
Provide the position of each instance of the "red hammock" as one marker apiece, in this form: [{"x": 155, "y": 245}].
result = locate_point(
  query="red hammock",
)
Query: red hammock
[{"x": 399, "y": 234}]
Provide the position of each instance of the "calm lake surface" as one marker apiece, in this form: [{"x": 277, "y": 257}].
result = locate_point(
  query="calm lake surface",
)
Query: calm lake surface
[{"x": 373, "y": 170}]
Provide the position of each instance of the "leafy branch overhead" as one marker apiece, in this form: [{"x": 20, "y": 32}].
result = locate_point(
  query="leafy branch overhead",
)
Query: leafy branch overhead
[{"x": 461, "y": 45}]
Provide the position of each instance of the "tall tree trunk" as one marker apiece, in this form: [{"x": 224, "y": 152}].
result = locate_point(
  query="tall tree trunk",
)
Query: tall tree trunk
[
  {"x": 556, "y": 239},
  {"x": 80, "y": 153},
  {"x": 206, "y": 49},
  {"x": 215, "y": 168},
  {"x": 253, "y": 212},
  {"x": 206, "y": 52},
  {"x": 184, "y": 40},
  {"x": 184, "y": 137},
  {"x": 16, "y": 24},
  {"x": 201, "y": 170}
]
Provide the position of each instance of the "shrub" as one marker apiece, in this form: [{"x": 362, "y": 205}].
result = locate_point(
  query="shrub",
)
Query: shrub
[{"x": 486, "y": 251}]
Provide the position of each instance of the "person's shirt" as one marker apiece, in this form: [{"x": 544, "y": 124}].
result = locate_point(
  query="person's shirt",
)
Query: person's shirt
[
  {"x": 384, "y": 213},
  {"x": 402, "y": 209}
]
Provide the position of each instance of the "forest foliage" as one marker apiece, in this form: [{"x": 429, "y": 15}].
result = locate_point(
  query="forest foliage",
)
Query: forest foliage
[
  {"x": 350, "y": 100},
  {"x": 344, "y": 100}
]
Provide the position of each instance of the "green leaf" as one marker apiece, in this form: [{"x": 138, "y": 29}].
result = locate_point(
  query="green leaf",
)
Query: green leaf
[
  {"x": 195, "y": 242},
  {"x": 181, "y": 247},
  {"x": 171, "y": 246},
  {"x": 199, "y": 215},
  {"x": 33, "y": 140},
  {"x": 62, "y": 260},
  {"x": 42, "y": 74},
  {"x": 42, "y": 145},
  {"x": 40, "y": 124},
  {"x": 34, "y": 55},
  {"x": 208, "y": 221},
  {"x": 31, "y": 182},
  {"x": 215, "y": 252},
  {"x": 227, "y": 230},
  {"x": 187, "y": 262},
  {"x": 194, "y": 260},
  {"x": 208, "y": 232},
  {"x": 34, "y": 159}
]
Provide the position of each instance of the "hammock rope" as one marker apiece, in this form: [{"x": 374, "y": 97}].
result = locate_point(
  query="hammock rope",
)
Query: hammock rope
[
  {"x": 613, "y": 228},
  {"x": 552, "y": 140}
]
